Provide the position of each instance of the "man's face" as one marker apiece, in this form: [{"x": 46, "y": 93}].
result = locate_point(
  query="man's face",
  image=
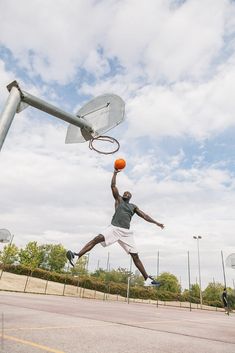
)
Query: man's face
[{"x": 126, "y": 196}]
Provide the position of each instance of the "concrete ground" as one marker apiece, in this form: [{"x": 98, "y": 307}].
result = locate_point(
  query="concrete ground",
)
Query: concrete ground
[{"x": 33, "y": 323}]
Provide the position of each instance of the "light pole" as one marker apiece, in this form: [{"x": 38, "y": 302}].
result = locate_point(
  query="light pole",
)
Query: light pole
[{"x": 199, "y": 267}]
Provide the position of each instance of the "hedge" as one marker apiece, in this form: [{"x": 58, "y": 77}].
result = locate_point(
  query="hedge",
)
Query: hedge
[{"x": 93, "y": 283}]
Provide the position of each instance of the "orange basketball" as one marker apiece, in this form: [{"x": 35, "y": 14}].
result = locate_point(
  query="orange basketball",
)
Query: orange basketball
[{"x": 119, "y": 164}]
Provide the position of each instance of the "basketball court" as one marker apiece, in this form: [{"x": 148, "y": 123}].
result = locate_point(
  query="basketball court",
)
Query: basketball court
[{"x": 37, "y": 323}]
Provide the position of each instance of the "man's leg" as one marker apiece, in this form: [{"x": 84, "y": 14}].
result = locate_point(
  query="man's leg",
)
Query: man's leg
[
  {"x": 139, "y": 265},
  {"x": 149, "y": 281},
  {"x": 70, "y": 255}
]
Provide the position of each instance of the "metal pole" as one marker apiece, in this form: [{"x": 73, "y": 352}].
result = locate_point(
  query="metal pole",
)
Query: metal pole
[
  {"x": 107, "y": 268},
  {"x": 65, "y": 280},
  {"x": 128, "y": 290},
  {"x": 87, "y": 264},
  {"x": 222, "y": 258},
  {"x": 2, "y": 340},
  {"x": 130, "y": 269},
  {"x": 189, "y": 283},
  {"x": 57, "y": 112},
  {"x": 12, "y": 237},
  {"x": 8, "y": 113},
  {"x": 157, "y": 263},
  {"x": 199, "y": 268},
  {"x": 129, "y": 281},
  {"x": 157, "y": 272}
]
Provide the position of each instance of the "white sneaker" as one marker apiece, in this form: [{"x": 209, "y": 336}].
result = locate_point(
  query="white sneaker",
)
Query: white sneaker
[{"x": 150, "y": 282}]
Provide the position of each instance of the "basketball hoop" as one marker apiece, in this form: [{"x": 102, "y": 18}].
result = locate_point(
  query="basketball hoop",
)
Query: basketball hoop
[
  {"x": 103, "y": 139},
  {"x": 102, "y": 113},
  {"x": 5, "y": 236},
  {"x": 230, "y": 261}
]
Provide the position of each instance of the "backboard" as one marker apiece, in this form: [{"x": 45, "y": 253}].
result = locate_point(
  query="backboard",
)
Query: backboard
[
  {"x": 230, "y": 261},
  {"x": 5, "y": 236},
  {"x": 102, "y": 113}
]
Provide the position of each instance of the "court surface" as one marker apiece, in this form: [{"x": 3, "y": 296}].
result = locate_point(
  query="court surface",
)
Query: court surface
[{"x": 43, "y": 323}]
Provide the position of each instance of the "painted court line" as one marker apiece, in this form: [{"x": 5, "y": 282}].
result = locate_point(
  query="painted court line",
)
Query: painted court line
[
  {"x": 57, "y": 327},
  {"x": 32, "y": 344}
]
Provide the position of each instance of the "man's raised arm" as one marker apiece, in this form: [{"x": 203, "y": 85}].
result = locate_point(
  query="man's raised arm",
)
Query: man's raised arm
[
  {"x": 147, "y": 218},
  {"x": 115, "y": 191}
]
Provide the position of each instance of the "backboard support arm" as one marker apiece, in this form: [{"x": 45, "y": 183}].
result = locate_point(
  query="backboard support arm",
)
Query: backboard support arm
[{"x": 12, "y": 106}]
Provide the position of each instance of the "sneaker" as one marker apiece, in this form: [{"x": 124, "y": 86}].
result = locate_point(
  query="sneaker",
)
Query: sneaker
[
  {"x": 70, "y": 256},
  {"x": 150, "y": 282}
]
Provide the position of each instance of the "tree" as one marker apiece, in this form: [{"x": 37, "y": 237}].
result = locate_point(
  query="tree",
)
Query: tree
[
  {"x": 119, "y": 276},
  {"x": 169, "y": 282},
  {"x": 80, "y": 267},
  {"x": 31, "y": 256},
  {"x": 53, "y": 257},
  {"x": 9, "y": 254},
  {"x": 213, "y": 292}
]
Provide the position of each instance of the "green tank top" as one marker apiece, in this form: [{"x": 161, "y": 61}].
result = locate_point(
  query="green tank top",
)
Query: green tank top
[{"x": 123, "y": 214}]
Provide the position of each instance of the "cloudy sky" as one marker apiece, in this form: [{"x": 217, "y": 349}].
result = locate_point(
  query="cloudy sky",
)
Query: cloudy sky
[{"x": 173, "y": 63}]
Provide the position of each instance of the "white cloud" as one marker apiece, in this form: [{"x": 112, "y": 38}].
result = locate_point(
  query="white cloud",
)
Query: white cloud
[
  {"x": 151, "y": 39},
  {"x": 199, "y": 110}
]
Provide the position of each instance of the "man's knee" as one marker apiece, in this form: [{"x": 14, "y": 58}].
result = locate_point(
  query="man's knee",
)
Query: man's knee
[
  {"x": 134, "y": 256},
  {"x": 99, "y": 238}
]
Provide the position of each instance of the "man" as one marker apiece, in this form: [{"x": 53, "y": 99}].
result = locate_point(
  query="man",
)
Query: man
[
  {"x": 225, "y": 301},
  {"x": 119, "y": 231}
]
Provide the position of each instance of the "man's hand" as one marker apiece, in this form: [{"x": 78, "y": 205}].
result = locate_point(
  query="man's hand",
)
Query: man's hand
[
  {"x": 161, "y": 225},
  {"x": 116, "y": 171}
]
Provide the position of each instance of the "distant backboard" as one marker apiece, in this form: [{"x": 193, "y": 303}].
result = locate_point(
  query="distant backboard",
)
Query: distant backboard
[
  {"x": 5, "y": 236},
  {"x": 102, "y": 113},
  {"x": 230, "y": 261}
]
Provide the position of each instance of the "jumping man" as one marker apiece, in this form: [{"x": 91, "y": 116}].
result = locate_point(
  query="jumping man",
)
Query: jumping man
[{"x": 119, "y": 231}]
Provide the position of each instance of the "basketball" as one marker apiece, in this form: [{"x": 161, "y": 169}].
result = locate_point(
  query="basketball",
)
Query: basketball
[{"x": 119, "y": 164}]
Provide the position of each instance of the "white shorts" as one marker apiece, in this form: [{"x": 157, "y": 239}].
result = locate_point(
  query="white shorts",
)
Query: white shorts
[{"x": 123, "y": 236}]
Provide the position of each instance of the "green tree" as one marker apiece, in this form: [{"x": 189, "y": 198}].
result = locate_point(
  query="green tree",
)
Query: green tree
[
  {"x": 100, "y": 274},
  {"x": 9, "y": 254},
  {"x": 169, "y": 282},
  {"x": 31, "y": 256},
  {"x": 119, "y": 276},
  {"x": 57, "y": 258},
  {"x": 213, "y": 292},
  {"x": 80, "y": 267},
  {"x": 53, "y": 257},
  {"x": 195, "y": 293}
]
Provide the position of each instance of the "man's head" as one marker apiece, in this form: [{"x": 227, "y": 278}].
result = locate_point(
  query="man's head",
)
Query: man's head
[{"x": 126, "y": 196}]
